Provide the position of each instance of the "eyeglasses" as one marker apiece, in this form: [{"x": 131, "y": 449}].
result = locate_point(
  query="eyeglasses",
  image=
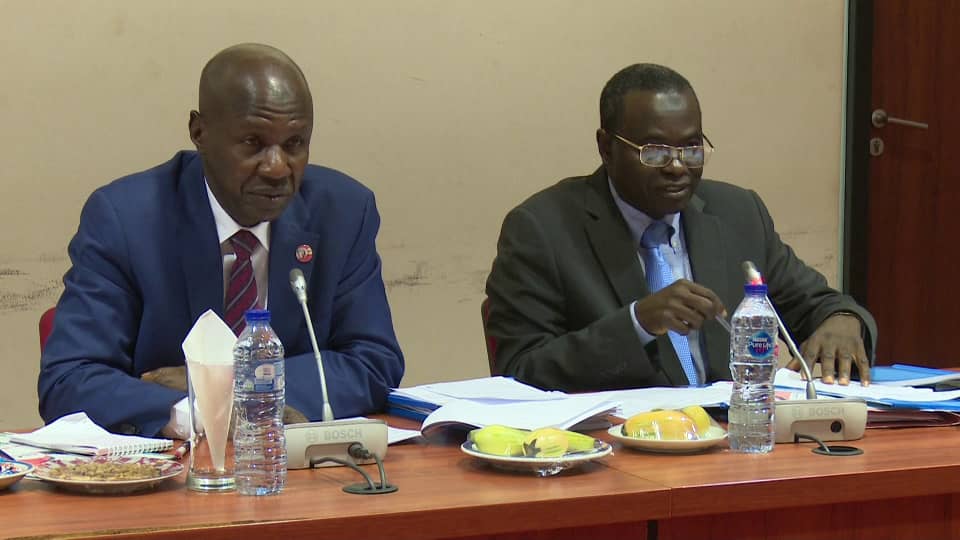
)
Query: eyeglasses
[{"x": 661, "y": 155}]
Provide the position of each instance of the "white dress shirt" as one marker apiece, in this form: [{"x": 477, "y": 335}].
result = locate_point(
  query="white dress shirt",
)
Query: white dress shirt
[{"x": 179, "y": 423}]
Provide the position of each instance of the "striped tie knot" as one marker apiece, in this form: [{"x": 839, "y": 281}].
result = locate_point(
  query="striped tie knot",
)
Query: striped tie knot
[
  {"x": 244, "y": 243},
  {"x": 657, "y": 233}
]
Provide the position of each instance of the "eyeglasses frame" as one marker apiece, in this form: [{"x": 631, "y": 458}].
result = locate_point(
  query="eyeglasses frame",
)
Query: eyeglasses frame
[{"x": 676, "y": 151}]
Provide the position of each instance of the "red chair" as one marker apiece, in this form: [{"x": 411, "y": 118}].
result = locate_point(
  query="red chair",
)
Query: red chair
[
  {"x": 46, "y": 325},
  {"x": 490, "y": 340}
]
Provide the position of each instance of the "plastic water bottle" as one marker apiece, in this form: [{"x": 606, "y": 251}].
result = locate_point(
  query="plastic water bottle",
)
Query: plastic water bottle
[
  {"x": 260, "y": 452},
  {"x": 753, "y": 361}
]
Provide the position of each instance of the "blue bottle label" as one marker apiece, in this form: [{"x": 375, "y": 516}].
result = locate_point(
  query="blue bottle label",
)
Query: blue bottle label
[
  {"x": 761, "y": 345},
  {"x": 268, "y": 377}
]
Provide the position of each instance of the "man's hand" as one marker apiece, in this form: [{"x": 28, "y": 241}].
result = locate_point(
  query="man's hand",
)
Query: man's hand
[
  {"x": 681, "y": 307},
  {"x": 293, "y": 416},
  {"x": 171, "y": 377},
  {"x": 837, "y": 344}
]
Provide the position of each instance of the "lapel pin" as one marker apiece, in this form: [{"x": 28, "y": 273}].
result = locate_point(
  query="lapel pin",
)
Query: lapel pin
[{"x": 304, "y": 253}]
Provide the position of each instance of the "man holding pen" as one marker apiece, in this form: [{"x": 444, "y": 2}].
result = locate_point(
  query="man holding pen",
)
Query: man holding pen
[{"x": 593, "y": 274}]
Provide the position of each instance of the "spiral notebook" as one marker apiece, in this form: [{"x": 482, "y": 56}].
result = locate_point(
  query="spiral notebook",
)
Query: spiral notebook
[{"x": 77, "y": 434}]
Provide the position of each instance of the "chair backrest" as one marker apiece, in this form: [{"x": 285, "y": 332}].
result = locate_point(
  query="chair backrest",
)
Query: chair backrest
[
  {"x": 46, "y": 325},
  {"x": 490, "y": 340}
]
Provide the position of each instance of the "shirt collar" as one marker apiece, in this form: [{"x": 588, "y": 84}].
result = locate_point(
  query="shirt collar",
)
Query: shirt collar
[
  {"x": 637, "y": 220},
  {"x": 227, "y": 227}
]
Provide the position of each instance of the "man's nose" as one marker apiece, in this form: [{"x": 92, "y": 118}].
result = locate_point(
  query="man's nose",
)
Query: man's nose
[
  {"x": 274, "y": 164},
  {"x": 675, "y": 167}
]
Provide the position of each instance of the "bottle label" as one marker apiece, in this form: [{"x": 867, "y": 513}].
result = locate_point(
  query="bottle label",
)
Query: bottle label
[
  {"x": 761, "y": 345},
  {"x": 268, "y": 377}
]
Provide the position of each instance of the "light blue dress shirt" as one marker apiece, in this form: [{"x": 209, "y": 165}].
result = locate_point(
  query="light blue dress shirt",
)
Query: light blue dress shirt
[{"x": 676, "y": 257}]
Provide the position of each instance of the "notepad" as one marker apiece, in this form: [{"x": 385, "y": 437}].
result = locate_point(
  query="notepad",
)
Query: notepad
[{"x": 77, "y": 434}]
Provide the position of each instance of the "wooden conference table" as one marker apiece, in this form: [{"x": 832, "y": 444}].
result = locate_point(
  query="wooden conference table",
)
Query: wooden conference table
[{"x": 905, "y": 485}]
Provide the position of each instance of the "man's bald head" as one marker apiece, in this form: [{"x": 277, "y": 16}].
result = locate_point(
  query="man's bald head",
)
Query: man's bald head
[
  {"x": 244, "y": 74},
  {"x": 253, "y": 130}
]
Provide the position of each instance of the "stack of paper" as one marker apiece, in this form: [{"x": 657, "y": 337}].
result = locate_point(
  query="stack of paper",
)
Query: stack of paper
[
  {"x": 640, "y": 400},
  {"x": 904, "y": 397},
  {"x": 419, "y": 401},
  {"x": 572, "y": 412},
  {"x": 502, "y": 400}
]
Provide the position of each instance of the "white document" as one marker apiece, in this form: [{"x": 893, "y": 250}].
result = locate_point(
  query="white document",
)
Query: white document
[
  {"x": 504, "y": 388},
  {"x": 791, "y": 379},
  {"x": 640, "y": 400},
  {"x": 396, "y": 435},
  {"x": 486, "y": 389},
  {"x": 562, "y": 413}
]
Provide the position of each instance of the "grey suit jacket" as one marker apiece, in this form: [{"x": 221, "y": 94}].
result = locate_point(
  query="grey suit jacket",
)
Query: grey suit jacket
[{"x": 567, "y": 271}]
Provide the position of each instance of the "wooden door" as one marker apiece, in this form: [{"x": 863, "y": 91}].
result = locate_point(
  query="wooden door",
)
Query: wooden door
[{"x": 913, "y": 252}]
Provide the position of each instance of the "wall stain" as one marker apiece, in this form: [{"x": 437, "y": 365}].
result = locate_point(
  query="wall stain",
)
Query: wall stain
[
  {"x": 119, "y": 24},
  {"x": 41, "y": 295},
  {"x": 415, "y": 279},
  {"x": 28, "y": 284}
]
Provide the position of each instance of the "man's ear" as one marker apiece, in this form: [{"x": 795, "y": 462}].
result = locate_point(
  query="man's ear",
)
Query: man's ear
[
  {"x": 604, "y": 146},
  {"x": 197, "y": 129}
]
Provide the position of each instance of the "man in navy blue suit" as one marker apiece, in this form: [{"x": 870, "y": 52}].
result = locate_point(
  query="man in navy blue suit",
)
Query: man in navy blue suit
[{"x": 153, "y": 251}]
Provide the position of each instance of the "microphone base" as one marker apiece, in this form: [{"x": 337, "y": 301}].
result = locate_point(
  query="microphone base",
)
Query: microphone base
[
  {"x": 825, "y": 419},
  {"x": 364, "y": 489},
  {"x": 309, "y": 441}
]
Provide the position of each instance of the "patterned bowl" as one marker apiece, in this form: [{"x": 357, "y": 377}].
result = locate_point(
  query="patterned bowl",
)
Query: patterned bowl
[{"x": 12, "y": 471}]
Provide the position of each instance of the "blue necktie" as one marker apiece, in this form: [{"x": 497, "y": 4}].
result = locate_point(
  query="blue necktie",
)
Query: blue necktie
[{"x": 659, "y": 275}]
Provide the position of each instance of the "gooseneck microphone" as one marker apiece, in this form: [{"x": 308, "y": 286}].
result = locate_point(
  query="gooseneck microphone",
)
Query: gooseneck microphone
[
  {"x": 349, "y": 442},
  {"x": 811, "y": 418},
  {"x": 753, "y": 276},
  {"x": 299, "y": 286}
]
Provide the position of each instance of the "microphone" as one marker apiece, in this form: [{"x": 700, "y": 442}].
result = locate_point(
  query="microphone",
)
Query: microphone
[
  {"x": 824, "y": 420},
  {"x": 330, "y": 442},
  {"x": 299, "y": 286}
]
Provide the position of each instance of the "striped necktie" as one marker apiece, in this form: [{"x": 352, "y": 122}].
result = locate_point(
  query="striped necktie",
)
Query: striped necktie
[
  {"x": 660, "y": 275},
  {"x": 242, "y": 289}
]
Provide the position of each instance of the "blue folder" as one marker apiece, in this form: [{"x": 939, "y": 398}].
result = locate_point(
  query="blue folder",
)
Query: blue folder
[
  {"x": 905, "y": 372},
  {"x": 413, "y": 409}
]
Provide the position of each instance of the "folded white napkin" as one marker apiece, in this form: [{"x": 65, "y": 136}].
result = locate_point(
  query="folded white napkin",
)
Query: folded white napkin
[{"x": 208, "y": 348}]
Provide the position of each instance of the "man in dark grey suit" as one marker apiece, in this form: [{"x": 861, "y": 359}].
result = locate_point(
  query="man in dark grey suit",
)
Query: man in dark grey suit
[{"x": 569, "y": 304}]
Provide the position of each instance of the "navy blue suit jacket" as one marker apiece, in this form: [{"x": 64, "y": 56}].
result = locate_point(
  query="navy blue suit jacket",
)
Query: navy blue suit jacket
[{"x": 146, "y": 263}]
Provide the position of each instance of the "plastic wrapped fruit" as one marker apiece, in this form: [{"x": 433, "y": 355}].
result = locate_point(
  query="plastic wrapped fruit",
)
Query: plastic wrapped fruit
[{"x": 663, "y": 425}]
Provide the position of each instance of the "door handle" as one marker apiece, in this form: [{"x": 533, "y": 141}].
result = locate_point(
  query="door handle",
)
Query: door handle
[{"x": 879, "y": 119}]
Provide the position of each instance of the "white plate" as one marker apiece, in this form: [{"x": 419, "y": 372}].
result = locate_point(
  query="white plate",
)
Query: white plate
[
  {"x": 165, "y": 469},
  {"x": 715, "y": 435},
  {"x": 540, "y": 466},
  {"x": 12, "y": 471}
]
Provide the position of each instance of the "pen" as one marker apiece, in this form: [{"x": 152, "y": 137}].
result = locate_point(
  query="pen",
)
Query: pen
[
  {"x": 723, "y": 322},
  {"x": 182, "y": 451}
]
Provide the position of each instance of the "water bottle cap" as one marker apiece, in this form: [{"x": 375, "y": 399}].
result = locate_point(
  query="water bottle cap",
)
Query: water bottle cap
[
  {"x": 760, "y": 288},
  {"x": 257, "y": 315}
]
